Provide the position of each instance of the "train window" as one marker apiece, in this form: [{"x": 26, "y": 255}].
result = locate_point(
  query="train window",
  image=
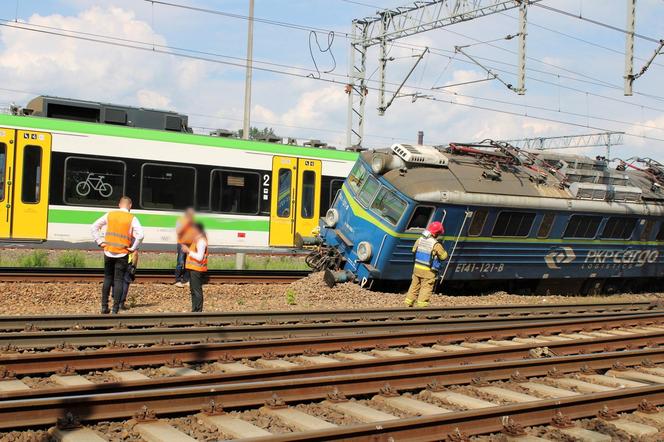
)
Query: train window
[
  {"x": 308, "y": 194},
  {"x": 582, "y": 226},
  {"x": 648, "y": 226},
  {"x": 513, "y": 224},
  {"x": 335, "y": 187},
  {"x": 167, "y": 187},
  {"x": 389, "y": 205},
  {"x": 660, "y": 233},
  {"x": 89, "y": 181},
  {"x": 618, "y": 227},
  {"x": 3, "y": 166},
  {"x": 31, "y": 185},
  {"x": 477, "y": 223},
  {"x": 357, "y": 177},
  {"x": 284, "y": 193},
  {"x": 545, "y": 225},
  {"x": 234, "y": 192},
  {"x": 420, "y": 218},
  {"x": 368, "y": 191}
]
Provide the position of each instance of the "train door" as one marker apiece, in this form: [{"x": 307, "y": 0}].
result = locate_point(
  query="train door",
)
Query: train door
[
  {"x": 25, "y": 160},
  {"x": 295, "y": 201}
]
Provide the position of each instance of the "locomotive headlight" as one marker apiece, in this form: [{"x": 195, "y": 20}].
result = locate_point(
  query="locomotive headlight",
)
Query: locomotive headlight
[
  {"x": 364, "y": 251},
  {"x": 378, "y": 164},
  {"x": 331, "y": 217}
]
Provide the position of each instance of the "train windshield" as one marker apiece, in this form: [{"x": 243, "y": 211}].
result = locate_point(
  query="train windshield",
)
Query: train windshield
[
  {"x": 368, "y": 191},
  {"x": 389, "y": 206},
  {"x": 357, "y": 177}
]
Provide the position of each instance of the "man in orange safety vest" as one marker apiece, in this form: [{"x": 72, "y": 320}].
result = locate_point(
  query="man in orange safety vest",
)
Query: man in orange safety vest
[{"x": 122, "y": 236}]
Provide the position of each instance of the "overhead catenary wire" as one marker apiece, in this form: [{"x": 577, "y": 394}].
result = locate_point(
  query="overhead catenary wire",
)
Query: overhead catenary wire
[
  {"x": 573, "y": 37},
  {"x": 420, "y": 47},
  {"x": 595, "y": 22},
  {"x": 328, "y": 80}
]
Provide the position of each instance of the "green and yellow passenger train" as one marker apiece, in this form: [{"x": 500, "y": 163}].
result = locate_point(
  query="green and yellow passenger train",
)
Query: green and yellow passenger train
[{"x": 63, "y": 163}]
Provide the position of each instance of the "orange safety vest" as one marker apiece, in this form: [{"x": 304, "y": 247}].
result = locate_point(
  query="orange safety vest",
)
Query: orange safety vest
[
  {"x": 118, "y": 232},
  {"x": 194, "y": 264},
  {"x": 186, "y": 234}
]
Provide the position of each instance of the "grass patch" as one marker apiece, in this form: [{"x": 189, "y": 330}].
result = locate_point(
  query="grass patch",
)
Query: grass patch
[
  {"x": 147, "y": 260},
  {"x": 291, "y": 298},
  {"x": 72, "y": 259},
  {"x": 36, "y": 258}
]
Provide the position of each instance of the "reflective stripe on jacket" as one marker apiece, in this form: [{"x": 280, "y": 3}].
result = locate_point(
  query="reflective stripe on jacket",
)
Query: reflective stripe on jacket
[
  {"x": 424, "y": 251},
  {"x": 194, "y": 264},
  {"x": 118, "y": 232},
  {"x": 429, "y": 254}
]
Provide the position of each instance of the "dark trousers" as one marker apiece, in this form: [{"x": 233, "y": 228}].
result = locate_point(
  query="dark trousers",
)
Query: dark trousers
[
  {"x": 114, "y": 271},
  {"x": 181, "y": 274},
  {"x": 196, "y": 280}
]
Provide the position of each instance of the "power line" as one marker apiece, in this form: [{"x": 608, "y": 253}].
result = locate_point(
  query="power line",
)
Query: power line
[
  {"x": 596, "y": 22},
  {"x": 582, "y": 40},
  {"x": 525, "y": 115},
  {"x": 346, "y": 35},
  {"x": 245, "y": 17},
  {"x": 328, "y": 80}
]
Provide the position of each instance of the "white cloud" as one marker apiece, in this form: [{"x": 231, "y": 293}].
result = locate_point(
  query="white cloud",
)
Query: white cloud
[{"x": 148, "y": 98}]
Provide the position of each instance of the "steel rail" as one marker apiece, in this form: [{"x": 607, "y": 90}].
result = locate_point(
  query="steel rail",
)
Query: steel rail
[
  {"x": 38, "y": 339},
  {"x": 475, "y": 356},
  {"x": 27, "y": 274},
  {"x": 169, "y": 400},
  {"x": 44, "y": 362},
  {"x": 483, "y": 421},
  {"x": 184, "y": 319}
]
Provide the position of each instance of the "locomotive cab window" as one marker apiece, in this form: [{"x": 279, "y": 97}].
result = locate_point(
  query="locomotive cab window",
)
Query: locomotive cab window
[
  {"x": 582, "y": 226},
  {"x": 389, "y": 206},
  {"x": 420, "y": 218},
  {"x": 32, "y": 164},
  {"x": 368, "y": 191},
  {"x": 477, "y": 223},
  {"x": 513, "y": 224},
  {"x": 648, "y": 227},
  {"x": 357, "y": 177},
  {"x": 660, "y": 232},
  {"x": 234, "y": 192},
  {"x": 545, "y": 226},
  {"x": 167, "y": 187},
  {"x": 89, "y": 181},
  {"x": 618, "y": 228}
]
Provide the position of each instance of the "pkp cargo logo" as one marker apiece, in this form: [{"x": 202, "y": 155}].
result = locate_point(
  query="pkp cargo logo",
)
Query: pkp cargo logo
[{"x": 559, "y": 255}]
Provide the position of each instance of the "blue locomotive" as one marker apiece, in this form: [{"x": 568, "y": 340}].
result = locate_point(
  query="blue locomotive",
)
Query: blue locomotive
[{"x": 518, "y": 220}]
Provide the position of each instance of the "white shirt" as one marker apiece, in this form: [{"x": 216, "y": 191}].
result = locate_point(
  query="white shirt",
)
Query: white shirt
[
  {"x": 136, "y": 232},
  {"x": 201, "y": 245}
]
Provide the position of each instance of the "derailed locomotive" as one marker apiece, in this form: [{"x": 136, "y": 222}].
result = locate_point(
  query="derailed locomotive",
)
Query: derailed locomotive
[{"x": 515, "y": 220}]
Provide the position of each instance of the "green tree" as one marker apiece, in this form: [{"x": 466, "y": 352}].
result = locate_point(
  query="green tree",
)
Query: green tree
[{"x": 256, "y": 133}]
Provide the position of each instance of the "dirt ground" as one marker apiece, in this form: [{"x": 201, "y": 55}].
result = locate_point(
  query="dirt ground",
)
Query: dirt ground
[{"x": 307, "y": 294}]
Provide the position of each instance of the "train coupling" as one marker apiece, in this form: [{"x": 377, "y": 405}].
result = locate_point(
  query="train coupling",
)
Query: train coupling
[{"x": 333, "y": 277}]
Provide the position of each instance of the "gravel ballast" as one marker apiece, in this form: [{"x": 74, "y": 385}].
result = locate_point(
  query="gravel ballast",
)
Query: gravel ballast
[{"x": 310, "y": 293}]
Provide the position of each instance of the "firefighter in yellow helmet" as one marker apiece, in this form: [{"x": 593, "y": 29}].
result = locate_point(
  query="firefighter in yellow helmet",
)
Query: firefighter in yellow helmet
[{"x": 429, "y": 255}]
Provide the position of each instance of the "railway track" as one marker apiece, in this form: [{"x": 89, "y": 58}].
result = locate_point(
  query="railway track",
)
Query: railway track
[
  {"x": 530, "y": 391},
  {"x": 446, "y": 328},
  {"x": 135, "y": 320},
  {"x": 400, "y": 382},
  {"x": 24, "y": 274}
]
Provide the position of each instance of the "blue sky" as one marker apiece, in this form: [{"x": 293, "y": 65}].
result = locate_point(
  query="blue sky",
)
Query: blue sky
[{"x": 569, "y": 80}]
